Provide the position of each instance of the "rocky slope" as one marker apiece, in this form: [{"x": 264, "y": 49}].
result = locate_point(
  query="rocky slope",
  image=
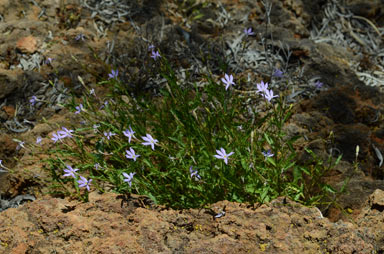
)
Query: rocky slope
[
  {"x": 113, "y": 224},
  {"x": 338, "y": 45}
]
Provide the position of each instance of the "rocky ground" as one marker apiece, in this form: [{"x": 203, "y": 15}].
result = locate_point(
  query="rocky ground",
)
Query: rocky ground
[{"x": 46, "y": 45}]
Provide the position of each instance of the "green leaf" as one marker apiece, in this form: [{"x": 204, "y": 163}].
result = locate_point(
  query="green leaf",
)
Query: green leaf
[
  {"x": 264, "y": 193},
  {"x": 244, "y": 163},
  {"x": 272, "y": 161},
  {"x": 304, "y": 170},
  {"x": 338, "y": 159},
  {"x": 236, "y": 198},
  {"x": 250, "y": 188},
  {"x": 328, "y": 188},
  {"x": 269, "y": 140},
  {"x": 177, "y": 141},
  {"x": 298, "y": 196},
  {"x": 297, "y": 175},
  {"x": 198, "y": 16}
]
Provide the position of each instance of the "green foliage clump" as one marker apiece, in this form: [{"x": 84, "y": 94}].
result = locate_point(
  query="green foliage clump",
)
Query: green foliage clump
[{"x": 190, "y": 124}]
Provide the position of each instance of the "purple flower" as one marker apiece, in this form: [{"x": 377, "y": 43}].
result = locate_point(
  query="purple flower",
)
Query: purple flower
[
  {"x": 49, "y": 60},
  {"x": 262, "y": 87},
  {"x": 56, "y": 137},
  {"x": 278, "y": 73},
  {"x": 228, "y": 81},
  {"x": 38, "y": 140},
  {"x": 80, "y": 36},
  {"x": 33, "y": 100},
  {"x": 113, "y": 74},
  {"x": 104, "y": 105},
  {"x": 109, "y": 134},
  {"x": 97, "y": 166},
  {"x": 151, "y": 47},
  {"x": 129, "y": 178},
  {"x": 194, "y": 173},
  {"x": 20, "y": 145},
  {"x": 267, "y": 154},
  {"x": 131, "y": 154},
  {"x": 269, "y": 95},
  {"x": 221, "y": 154},
  {"x": 65, "y": 133},
  {"x": 70, "y": 171},
  {"x": 149, "y": 141},
  {"x": 83, "y": 182},
  {"x": 248, "y": 31},
  {"x": 79, "y": 109},
  {"x": 318, "y": 84},
  {"x": 95, "y": 126},
  {"x": 155, "y": 55},
  {"x": 129, "y": 133}
]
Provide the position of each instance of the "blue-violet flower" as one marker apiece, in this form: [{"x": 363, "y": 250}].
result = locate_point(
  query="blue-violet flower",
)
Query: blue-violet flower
[
  {"x": 109, "y": 134},
  {"x": 222, "y": 154},
  {"x": 113, "y": 74},
  {"x": 149, "y": 141},
  {"x": 269, "y": 95},
  {"x": 33, "y": 100},
  {"x": 262, "y": 87},
  {"x": 131, "y": 154},
  {"x": 267, "y": 153},
  {"x": 79, "y": 109},
  {"x": 278, "y": 73},
  {"x": 228, "y": 81},
  {"x": 194, "y": 173},
  {"x": 129, "y": 133},
  {"x": 70, "y": 171},
  {"x": 128, "y": 178},
  {"x": 65, "y": 133},
  {"x": 83, "y": 182},
  {"x": 248, "y": 31},
  {"x": 155, "y": 55}
]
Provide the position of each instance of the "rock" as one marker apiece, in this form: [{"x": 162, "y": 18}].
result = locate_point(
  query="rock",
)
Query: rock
[
  {"x": 352, "y": 116},
  {"x": 27, "y": 45},
  {"x": 10, "y": 80},
  {"x": 9, "y": 110},
  {"x": 372, "y": 217},
  {"x": 369, "y": 9},
  {"x": 4, "y": 4},
  {"x": 347, "y": 137},
  {"x": 7, "y": 146},
  {"x": 349, "y": 109},
  {"x": 376, "y": 200},
  {"x": 359, "y": 191},
  {"x": 107, "y": 225}
]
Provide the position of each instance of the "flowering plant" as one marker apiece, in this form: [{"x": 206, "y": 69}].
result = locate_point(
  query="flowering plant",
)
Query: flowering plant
[{"x": 179, "y": 154}]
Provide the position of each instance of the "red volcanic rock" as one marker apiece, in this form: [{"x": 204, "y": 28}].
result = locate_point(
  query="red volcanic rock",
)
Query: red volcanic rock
[
  {"x": 27, "y": 44},
  {"x": 108, "y": 225}
]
